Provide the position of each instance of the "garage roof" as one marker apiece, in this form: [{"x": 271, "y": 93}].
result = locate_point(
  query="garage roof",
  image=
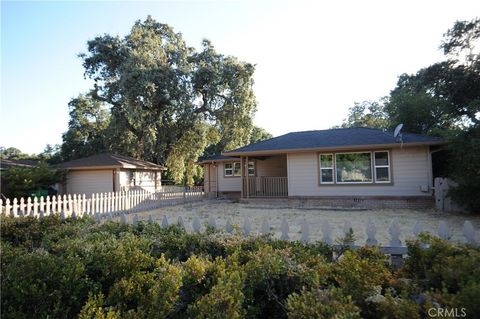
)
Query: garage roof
[{"x": 109, "y": 161}]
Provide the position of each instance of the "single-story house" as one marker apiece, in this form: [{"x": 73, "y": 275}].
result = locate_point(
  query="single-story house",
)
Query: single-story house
[
  {"x": 24, "y": 163},
  {"x": 345, "y": 166},
  {"x": 109, "y": 173}
]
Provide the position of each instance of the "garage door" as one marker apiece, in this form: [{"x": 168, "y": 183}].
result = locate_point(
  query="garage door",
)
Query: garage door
[{"x": 89, "y": 182}]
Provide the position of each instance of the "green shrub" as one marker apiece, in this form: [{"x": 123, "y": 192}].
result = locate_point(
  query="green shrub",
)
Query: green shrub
[
  {"x": 223, "y": 301},
  {"x": 147, "y": 294},
  {"x": 442, "y": 265},
  {"x": 359, "y": 277},
  {"x": 397, "y": 308},
  {"x": 94, "y": 309},
  {"x": 321, "y": 303},
  {"x": 77, "y": 268},
  {"x": 38, "y": 284}
]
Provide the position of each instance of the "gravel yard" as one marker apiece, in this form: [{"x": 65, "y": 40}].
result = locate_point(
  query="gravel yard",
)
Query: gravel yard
[{"x": 221, "y": 210}]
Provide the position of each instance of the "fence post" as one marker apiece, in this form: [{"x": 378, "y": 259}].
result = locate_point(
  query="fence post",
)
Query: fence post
[
  {"x": 229, "y": 226},
  {"x": 47, "y": 206},
  {"x": 42, "y": 205},
  {"x": 371, "y": 232},
  {"x": 265, "y": 227},
  {"x": 7, "y": 207},
  {"x": 196, "y": 224},
  {"x": 284, "y": 227},
  {"x": 15, "y": 207},
  {"x": 29, "y": 205},
  {"x": 54, "y": 205},
  {"x": 305, "y": 229},
  {"x": 327, "y": 233}
]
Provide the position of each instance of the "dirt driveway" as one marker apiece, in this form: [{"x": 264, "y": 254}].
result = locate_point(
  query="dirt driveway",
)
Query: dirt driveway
[{"x": 257, "y": 212}]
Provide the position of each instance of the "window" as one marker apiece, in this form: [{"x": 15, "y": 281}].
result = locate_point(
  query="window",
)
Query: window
[
  {"x": 326, "y": 168},
  {"x": 382, "y": 167},
  {"x": 354, "y": 167},
  {"x": 237, "y": 169},
  {"x": 251, "y": 168},
  {"x": 228, "y": 169}
]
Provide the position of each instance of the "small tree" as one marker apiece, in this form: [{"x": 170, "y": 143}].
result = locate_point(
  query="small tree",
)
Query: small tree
[{"x": 21, "y": 182}]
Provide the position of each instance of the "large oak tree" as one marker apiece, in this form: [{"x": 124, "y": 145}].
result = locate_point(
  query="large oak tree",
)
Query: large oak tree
[{"x": 165, "y": 101}]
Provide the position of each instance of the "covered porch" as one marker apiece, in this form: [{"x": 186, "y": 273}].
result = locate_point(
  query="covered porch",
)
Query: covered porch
[{"x": 264, "y": 177}]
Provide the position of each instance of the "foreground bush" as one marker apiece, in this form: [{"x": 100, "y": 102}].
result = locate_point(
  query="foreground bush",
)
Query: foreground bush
[{"x": 79, "y": 269}]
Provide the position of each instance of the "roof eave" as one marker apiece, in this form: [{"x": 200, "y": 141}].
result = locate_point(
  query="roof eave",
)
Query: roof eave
[
  {"x": 217, "y": 160},
  {"x": 108, "y": 167},
  {"x": 339, "y": 148}
]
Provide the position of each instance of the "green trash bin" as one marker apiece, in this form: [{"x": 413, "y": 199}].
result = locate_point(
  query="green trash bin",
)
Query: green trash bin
[{"x": 38, "y": 193}]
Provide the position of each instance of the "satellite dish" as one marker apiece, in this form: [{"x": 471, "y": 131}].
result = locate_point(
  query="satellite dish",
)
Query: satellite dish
[{"x": 396, "y": 134}]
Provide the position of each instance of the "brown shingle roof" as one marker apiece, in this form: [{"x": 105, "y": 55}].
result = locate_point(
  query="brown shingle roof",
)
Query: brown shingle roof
[
  {"x": 6, "y": 163},
  {"x": 106, "y": 160}
]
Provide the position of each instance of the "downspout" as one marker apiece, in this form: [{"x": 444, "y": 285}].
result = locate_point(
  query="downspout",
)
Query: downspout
[{"x": 113, "y": 181}]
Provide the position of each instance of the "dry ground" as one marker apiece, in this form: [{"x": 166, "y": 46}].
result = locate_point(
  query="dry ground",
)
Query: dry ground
[{"x": 221, "y": 210}]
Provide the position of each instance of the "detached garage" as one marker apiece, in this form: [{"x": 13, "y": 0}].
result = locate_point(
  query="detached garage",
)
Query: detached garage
[{"x": 110, "y": 173}]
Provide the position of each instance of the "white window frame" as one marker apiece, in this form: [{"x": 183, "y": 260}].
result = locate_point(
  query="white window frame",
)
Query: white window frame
[
  {"x": 234, "y": 169},
  {"x": 375, "y": 166},
  {"x": 355, "y": 183},
  {"x": 253, "y": 167},
  {"x": 229, "y": 169},
  {"x": 332, "y": 168}
]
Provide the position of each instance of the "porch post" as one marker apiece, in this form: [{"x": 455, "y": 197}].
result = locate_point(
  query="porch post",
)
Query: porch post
[
  {"x": 246, "y": 174},
  {"x": 241, "y": 176},
  {"x": 209, "y": 179}
]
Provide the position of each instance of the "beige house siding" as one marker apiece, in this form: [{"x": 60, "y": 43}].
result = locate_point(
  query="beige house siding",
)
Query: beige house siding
[
  {"x": 89, "y": 182},
  {"x": 272, "y": 166},
  {"x": 210, "y": 178},
  {"x": 227, "y": 184},
  {"x": 143, "y": 180},
  {"x": 410, "y": 169}
]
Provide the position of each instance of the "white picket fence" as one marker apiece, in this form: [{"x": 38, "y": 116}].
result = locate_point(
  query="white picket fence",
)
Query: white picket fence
[
  {"x": 395, "y": 248},
  {"x": 100, "y": 203},
  {"x": 395, "y": 245}
]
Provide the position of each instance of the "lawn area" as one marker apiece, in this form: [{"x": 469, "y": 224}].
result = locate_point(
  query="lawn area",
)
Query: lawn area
[{"x": 257, "y": 211}]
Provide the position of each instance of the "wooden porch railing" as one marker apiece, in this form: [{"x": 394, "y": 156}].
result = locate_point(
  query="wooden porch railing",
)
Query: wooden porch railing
[{"x": 265, "y": 186}]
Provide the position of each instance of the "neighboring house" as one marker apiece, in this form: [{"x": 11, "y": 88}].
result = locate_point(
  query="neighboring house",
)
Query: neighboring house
[
  {"x": 338, "y": 166},
  {"x": 110, "y": 173},
  {"x": 24, "y": 163}
]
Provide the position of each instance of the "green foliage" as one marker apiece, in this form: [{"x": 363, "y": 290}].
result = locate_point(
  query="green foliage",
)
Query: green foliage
[
  {"x": 157, "y": 99},
  {"x": 93, "y": 309},
  {"x": 259, "y": 134},
  {"x": 224, "y": 299},
  {"x": 40, "y": 284},
  {"x": 397, "y": 308},
  {"x": 21, "y": 182},
  {"x": 465, "y": 151},
  {"x": 443, "y": 265},
  {"x": 419, "y": 112},
  {"x": 367, "y": 114},
  {"x": 442, "y": 99},
  {"x": 77, "y": 268},
  {"x": 360, "y": 276},
  {"x": 87, "y": 128},
  {"x": 321, "y": 303},
  {"x": 14, "y": 154}
]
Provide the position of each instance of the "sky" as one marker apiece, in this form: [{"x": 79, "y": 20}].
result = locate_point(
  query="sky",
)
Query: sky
[{"x": 314, "y": 59}]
